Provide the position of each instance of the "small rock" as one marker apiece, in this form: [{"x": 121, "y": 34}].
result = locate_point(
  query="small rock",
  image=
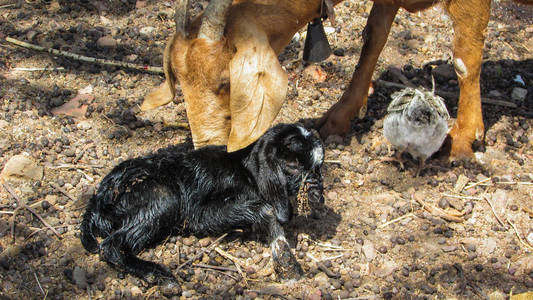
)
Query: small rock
[
  {"x": 204, "y": 242},
  {"x": 315, "y": 73},
  {"x": 321, "y": 280},
  {"x": 136, "y": 291},
  {"x": 31, "y": 34},
  {"x": 496, "y": 295},
  {"x": 84, "y": 125},
  {"x": 147, "y": 30},
  {"x": 443, "y": 203},
  {"x": 412, "y": 44},
  {"x": 518, "y": 94},
  {"x": 339, "y": 52},
  {"x": 106, "y": 42},
  {"x": 22, "y": 167},
  {"x": 187, "y": 294},
  {"x": 495, "y": 94},
  {"x": 369, "y": 251},
  {"x": 449, "y": 248},
  {"x": 79, "y": 276},
  {"x": 460, "y": 183},
  {"x": 386, "y": 269},
  {"x": 188, "y": 241},
  {"x": 530, "y": 238}
]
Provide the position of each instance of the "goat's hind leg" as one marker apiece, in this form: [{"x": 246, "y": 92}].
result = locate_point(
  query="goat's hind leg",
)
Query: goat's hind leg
[
  {"x": 115, "y": 251},
  {"x": 470, "y": 19}
]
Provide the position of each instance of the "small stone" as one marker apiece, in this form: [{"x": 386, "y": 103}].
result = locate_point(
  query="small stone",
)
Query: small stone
[
  {"x": 31, "y": 34},
  {"x": 478, "y": 267},
  {"x": 383, "y": 249},
  {"x": 188, "y": 241},
  {"x": 106, "y": 42},
  {"x": 22, "y": 167},
  {"x": 518, "y": 94},
  {"x": 369, "y": 251},
  {"x": 136, "y": 291},
  {"x": 412, "y": 44},
  {"x": 449, "y": 248},
  {"x": 530, "y": 238},
  {"x": 443, "y": 203},
  {"x": 147, "y": 30},
  {"x": 339, "y": 52},
  {"x": 204, "y": 242},
  {"x": 79, "y": 276}
]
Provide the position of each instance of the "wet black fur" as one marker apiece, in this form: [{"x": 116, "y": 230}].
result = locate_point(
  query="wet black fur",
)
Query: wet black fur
[{"x": 203, "y": 192}]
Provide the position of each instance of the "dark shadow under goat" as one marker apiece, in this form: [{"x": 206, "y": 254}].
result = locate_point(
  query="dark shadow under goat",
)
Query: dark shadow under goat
[{"x": 204, "y": 192}]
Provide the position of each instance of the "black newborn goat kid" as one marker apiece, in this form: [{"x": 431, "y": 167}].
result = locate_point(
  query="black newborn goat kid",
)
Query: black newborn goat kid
[{"x": 207, "y": 191}]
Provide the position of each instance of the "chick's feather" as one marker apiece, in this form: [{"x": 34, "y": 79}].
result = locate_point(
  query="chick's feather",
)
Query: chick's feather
[{"x": 416, "y": 122}]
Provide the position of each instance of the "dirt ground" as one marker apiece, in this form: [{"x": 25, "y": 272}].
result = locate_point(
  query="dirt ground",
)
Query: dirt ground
[{"x": 458, "y": 231}]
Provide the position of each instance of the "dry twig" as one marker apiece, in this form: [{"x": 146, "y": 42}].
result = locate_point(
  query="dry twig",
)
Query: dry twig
[
  {"x": 86, "y": 58},
  {"x": 235, "y": 261},
  {"x": 518, "y": 235},
  {"x": 323, "y": 267},
  {"x": 477, "y": 183},
  {"x": 463, "y": 197},
  {"x": 23, "y": 205},
  {"x": 220, "y": 268},
  {"x": 437, "y": 211},
  {"x": 57, "y": 187},
  {"x": 494, "y": 212},
  {"x": 396, "y": 220},
  {"x": 199, "y": 254},
  {"x": 39, "y": 69}
]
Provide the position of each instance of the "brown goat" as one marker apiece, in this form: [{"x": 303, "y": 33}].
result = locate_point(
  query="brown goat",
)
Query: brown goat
[{"x": 243, "y": 56}]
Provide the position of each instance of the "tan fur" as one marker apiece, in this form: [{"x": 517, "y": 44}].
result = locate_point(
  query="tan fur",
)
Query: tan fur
[{"x": 266, "y": 26}]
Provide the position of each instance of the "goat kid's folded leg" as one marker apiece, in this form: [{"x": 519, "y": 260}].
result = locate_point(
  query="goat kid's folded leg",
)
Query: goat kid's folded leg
[
  {"x": 285, "y": 264},
  {"x": 112, "y": 251}
]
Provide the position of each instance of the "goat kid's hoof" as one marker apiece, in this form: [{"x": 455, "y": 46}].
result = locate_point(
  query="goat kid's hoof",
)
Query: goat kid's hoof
[{"x": 285, "y": 264}]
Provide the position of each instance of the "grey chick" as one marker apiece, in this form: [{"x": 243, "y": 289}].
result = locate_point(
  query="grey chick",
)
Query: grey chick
[{"x": 416, "y": 122}]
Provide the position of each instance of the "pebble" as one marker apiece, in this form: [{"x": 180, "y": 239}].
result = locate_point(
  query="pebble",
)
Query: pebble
[
  {"x": 339, "y": 52},
  {"x": 449, "y": 248},
  {"x": 369, "y": 251},
  {"x": 22, "y": 166},
  {"x": 188, "y": 241},
  {"x": 106, "y": 42},
  {"x": 518, "y": 94},
  {"x": 79, "y": 276},
  {"x": 187, "y": 294},
  {"x": 443, "y": 203},
  {"x": 147, "y": 30},
  {"x": 529, "y": 238}
]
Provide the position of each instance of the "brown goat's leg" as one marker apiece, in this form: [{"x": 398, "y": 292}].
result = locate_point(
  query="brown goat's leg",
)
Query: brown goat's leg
[
  {"x": 353, "y": 102},
  {"x": 470, "y": 19}
]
